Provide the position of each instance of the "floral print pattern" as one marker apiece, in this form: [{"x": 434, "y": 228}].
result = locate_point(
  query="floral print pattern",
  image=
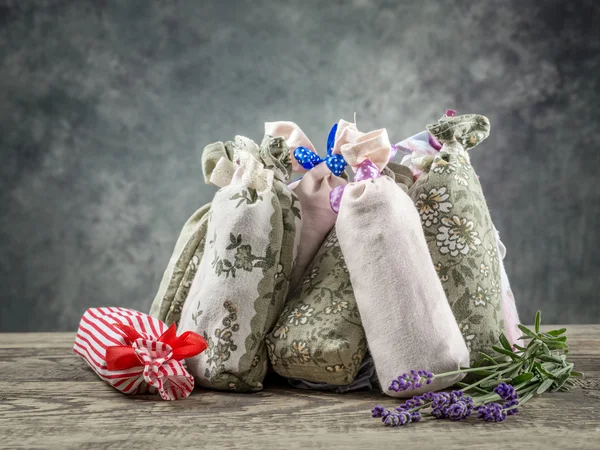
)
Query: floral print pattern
[
  {"x": 319, "y": 335},
  {"x": 460, "y": 234},
  {"x": 301, "y": 351},
  {"x": 299, "y": 316},
  {"x": 442, "y": 166},
  {"x": 243, "y": 258},
  {"x": 432, "y": 203},
  {"x": 222, "y": 343},
  {"x": 336, "y": 307},
  {"x": 248, "y": 196},
  {"x": 481, "y": 297},
  {"x": 457, "y": 235},
  {"x": 281, "y": 332}
]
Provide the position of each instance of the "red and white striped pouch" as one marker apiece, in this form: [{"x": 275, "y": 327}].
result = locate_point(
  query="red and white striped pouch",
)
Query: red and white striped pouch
[{"x": 136, "y": 353}]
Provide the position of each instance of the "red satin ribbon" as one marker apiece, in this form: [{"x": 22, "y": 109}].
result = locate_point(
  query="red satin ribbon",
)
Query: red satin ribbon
[{"x": 121, "y": 357}]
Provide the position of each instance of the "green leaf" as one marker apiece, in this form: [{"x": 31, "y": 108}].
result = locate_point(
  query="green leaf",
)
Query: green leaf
[
  {"x": 538, "y": 319},
  {"x": 476, "y": 388},
  {"x": 560, "y": 383},
  {"x": 527, "y": 331},
  {"x": 484, "y": 373},
  {"x": 503, "y": 351},
  {"x": 559, "y": 345},
  {"x": 526, "y": 397},
  {"x": 494, "y": 382},
  {"x": 544, "y": 386},
  {"x": 544, "y": 372},
  {"x": 557, "y": 332},
  {"x": 574, "y": 373},
  {"x": 549, "y": 338},
  {"x": 522, "y": 378},
  {"x": 487, "y": 357},
  {"x": 550, "y": 358},
  {"x": 505, "y": 342}
]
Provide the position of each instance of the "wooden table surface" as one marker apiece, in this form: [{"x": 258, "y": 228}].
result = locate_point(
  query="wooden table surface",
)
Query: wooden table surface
[{"x": 49, "y": 398}]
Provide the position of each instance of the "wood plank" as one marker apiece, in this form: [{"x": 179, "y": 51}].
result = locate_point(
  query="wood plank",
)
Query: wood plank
[{"x": 49, "y": 398}]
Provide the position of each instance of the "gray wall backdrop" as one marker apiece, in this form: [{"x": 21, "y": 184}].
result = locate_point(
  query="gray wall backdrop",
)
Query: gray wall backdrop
[{"x": 106, "y": 105}]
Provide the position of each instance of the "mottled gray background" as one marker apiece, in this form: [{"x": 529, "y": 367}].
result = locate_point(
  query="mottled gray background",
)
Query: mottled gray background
[{"x": 106, "y": 105}]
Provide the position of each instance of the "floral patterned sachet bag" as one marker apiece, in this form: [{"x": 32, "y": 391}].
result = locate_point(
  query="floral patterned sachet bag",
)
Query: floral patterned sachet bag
[
  {"x": 183, "y": 265},
  {"x": 404, "y": 311},
  {"x": 244, "y": 269},
  {"x": 417, "y": 152},
  {"x": 459, "y": 230}
]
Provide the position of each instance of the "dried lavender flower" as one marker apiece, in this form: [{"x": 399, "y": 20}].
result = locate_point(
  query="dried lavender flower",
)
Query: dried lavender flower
[
  {"x": 491, "y": 412},
  {"x": 412, "y": 380}
]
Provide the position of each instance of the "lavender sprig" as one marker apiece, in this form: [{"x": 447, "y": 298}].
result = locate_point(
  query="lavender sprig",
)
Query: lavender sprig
[
  {"x": 501, "y": 384},
  {"x": 412, "y": 380}
]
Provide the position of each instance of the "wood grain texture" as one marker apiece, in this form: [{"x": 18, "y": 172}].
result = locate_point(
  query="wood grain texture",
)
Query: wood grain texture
[{"x": 49, "y": 398}]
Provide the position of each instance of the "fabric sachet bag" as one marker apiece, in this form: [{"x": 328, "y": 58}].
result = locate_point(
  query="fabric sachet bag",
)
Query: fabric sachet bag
[
  {"x": 319, "y": 337},
  {"x": 183, "y": 265},
  {"x": 417, "y": 153},
  {"x": 137, "y": 354},
  {"x": 245, "y": 267},
  {"x": 404, "y": 311},
  {"x": 366, "y": 376},
  {"x": 313, "y": 189},
  {"x": 459, "y": 231}
]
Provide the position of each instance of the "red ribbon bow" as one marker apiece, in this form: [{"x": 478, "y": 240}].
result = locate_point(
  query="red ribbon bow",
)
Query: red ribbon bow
[{"x": 122, "y": 357}]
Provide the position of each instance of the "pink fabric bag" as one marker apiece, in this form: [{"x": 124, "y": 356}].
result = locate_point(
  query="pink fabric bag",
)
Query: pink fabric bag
[
  {"x": 313, "y": 191},
  {"x": 404, "y": 310}
]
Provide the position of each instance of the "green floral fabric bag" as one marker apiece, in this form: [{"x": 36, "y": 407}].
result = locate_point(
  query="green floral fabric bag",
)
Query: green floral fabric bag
[
  {"x": 319, "y": 341},
  {"x": 459, "y": 230},
  {"x": 183, "y": 265},
  {"x": 245, "y": 267}
]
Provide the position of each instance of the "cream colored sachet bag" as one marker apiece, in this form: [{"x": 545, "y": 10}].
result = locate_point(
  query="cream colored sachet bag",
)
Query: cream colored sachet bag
[
  {"x": 404, "y": 311},
  {"x": 245, "y": 268}
]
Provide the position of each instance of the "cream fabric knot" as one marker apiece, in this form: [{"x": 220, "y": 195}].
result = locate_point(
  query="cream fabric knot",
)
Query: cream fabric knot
[
  {"x": 356, "y": 146},
  {"x": 246, "y": 169}
]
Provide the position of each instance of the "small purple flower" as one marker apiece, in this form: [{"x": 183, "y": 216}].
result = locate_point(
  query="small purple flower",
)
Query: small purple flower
[
  {"x": 415, "y": 416},
  {"x": 443, "y": 402},
  {"x": 459, "y": 410},
  {"x": 379, "y": 411},
  {"x": 510, "y": 403},
  {"x": 509, "y": 395},
  {"x": 492, "y": 412},
  {"x": 412, "y": 380},
  {"x": 397, "y": 419},
  {"x": 505, "y": 391}
]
